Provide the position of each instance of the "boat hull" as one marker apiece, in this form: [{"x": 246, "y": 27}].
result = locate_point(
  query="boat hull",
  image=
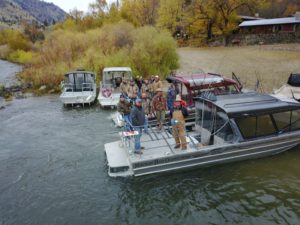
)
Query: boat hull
[
  {"x": 230, "y": 156},
  {"x": 72, "y": 98},
  {"x": 210, "y": 156},
  {"x": 111, "y": 101}
]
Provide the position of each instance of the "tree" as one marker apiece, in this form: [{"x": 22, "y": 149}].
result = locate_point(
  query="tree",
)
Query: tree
[
  {"x": 98, "y": 7},
  {"x": 217, "y": 17},
  {"x": 170, "y": 14},
  {"x": 76, "y": 15},
  {"x": 140, "y": 12},
  {"x": 33, "y": 32}
]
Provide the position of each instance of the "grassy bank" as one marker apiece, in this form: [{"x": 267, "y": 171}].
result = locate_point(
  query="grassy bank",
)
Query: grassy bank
[{"x": 271, "y": 64}]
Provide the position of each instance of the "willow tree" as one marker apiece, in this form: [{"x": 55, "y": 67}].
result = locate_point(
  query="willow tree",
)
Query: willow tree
[
  {"x": 170, "y": 14},
  {"x": 219, "y": 17},
  {"x": 140, "y": 12}
]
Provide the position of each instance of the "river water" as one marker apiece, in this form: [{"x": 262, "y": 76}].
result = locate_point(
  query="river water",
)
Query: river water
[
  {"x": 7, "y": 73},
  {"x": 53, "y": 171}
]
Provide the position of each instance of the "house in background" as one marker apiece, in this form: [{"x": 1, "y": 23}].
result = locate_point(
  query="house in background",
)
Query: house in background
[{"x": 278, "y": 30}]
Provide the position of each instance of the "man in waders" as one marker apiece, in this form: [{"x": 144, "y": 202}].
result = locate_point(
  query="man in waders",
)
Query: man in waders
[{"x": 178, "y": 125}]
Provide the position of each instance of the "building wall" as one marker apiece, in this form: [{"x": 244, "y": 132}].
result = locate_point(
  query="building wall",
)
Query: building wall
[{"x": 269, "y": 34}]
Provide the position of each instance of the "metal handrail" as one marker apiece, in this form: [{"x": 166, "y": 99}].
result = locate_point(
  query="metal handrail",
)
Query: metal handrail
[
  {"x": 87, "y": 86},
  {"x": 68, "y": 86},
  {"x": 163, "y": 137}
]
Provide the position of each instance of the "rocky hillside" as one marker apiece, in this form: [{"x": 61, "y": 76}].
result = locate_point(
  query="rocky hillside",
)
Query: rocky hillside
[
  {"x": 42, "y": 11},
  {"x": 11, "y": 14},
  {"x": 14, "y": 12}
]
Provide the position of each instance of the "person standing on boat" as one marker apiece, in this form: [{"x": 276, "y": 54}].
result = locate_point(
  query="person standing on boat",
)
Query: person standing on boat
[
  {"x": 146, "y": 104},
  {"x": 132, "y": 90},
  {"x": 151, "y": 85},
  {"x": 157, "y": 84},
  {"x": 124, "y": 108},
  {"x": 139, "y": 83},
  {"x": 178, "y": 125},
  {"x": 137, "y": 116},
  {"x": 146, "y": 88},
  {"x": 124, "y": 87},
  {"x": 171, "y": 98},
  {"x": 159, "y": 105}
]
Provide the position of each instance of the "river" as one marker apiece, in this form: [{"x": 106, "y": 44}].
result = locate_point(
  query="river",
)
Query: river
[
  {"x": 53, "y": 171},
  {"x": 8, "y": 73}
]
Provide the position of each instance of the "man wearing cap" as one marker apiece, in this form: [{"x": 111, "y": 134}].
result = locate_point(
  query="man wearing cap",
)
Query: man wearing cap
[
  {"x": 137, "y": 116},
  {"x": 157, "y": 84},
  {"x": 132, "y": 90},
  {"x": 159, "y": 105},
  {"x": 146, "y": 88},
  {"x": 178, "y": 125},
  {"x": 124, "y": 87},
  {"x": 124, "y": 107}
]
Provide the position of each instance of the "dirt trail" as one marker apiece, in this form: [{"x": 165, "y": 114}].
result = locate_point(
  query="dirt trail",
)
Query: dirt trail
[{"x": 271, "y": 64}]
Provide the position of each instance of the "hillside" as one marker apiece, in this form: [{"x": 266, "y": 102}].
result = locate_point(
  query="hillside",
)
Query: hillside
[
  {"x": 42, "y": 11},
  {"x": 11, "y": 14},
  {"x": 14, "y": 12}
]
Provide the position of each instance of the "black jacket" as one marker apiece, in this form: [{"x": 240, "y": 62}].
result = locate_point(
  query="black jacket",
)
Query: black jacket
[{"x": 137, "y": 116}]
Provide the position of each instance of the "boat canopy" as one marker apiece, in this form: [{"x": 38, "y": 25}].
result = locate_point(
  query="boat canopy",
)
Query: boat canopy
[
  {"x": 113, "y": 76},
  {"x": 248, "y": 104},
  {"x": 201, "y": 80},
  {"x": 116, "y": 69},
  {"x": 79, "y": 79}
]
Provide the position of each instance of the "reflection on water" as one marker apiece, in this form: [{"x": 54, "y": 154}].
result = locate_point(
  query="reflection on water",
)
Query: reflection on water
[{"x": 52, "y": 169}]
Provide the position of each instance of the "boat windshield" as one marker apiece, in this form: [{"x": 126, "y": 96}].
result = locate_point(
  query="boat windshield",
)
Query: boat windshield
[
  {"x": 212, "y": 123},
  {"x": 79, "y": 81},
  {"x": 115, "y": 78}
]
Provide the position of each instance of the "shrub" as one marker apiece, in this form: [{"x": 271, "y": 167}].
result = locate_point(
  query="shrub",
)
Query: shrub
[
  {"x": 20, "y": 56},
  {"x": 147, "y": 50},
  {"x": 17, "y": 41}
]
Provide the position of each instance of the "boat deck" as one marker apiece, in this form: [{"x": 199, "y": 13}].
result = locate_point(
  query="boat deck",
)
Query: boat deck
[{"x": 164, "y": 146}]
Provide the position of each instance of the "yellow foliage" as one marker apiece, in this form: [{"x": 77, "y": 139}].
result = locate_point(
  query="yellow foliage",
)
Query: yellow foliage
[
  {"x": 20, "y": 56},
  {"x": 15, "y": 40},
  {"x": 146, "y": 49}
]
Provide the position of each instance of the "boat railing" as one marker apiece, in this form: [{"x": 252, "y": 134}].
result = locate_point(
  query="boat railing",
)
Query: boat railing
[
  {"x": 87, "y": 86},
  {"x": 165, "y": 134},
  {"x": 68, "y": 87}
]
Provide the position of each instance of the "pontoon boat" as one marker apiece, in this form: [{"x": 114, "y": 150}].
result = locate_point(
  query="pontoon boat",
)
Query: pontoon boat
[{"x": 228, "y": 128}]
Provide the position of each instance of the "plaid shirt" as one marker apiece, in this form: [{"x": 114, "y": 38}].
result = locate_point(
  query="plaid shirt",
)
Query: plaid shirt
[{"x": 159, "y": 103}]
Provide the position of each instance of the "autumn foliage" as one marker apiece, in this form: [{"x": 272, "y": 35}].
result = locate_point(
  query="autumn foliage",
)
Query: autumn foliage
[
  {"x": 146, "y": 50},
  {"x": 141, "y": 34}
]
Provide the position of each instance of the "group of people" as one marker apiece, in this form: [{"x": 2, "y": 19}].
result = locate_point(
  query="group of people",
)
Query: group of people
[
  {"x": 138, "y": 104},
  {"x": 134, "y": 89}
]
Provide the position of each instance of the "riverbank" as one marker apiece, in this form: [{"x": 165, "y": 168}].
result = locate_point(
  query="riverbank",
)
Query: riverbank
[
  {"x": 270, "y": 64},
  {"x": 10, "y": 85}
]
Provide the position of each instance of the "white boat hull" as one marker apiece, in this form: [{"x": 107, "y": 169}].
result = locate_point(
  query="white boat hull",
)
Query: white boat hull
[
  {"x": 111, "y": 101},
  {"x": 72, "y": 98}
]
